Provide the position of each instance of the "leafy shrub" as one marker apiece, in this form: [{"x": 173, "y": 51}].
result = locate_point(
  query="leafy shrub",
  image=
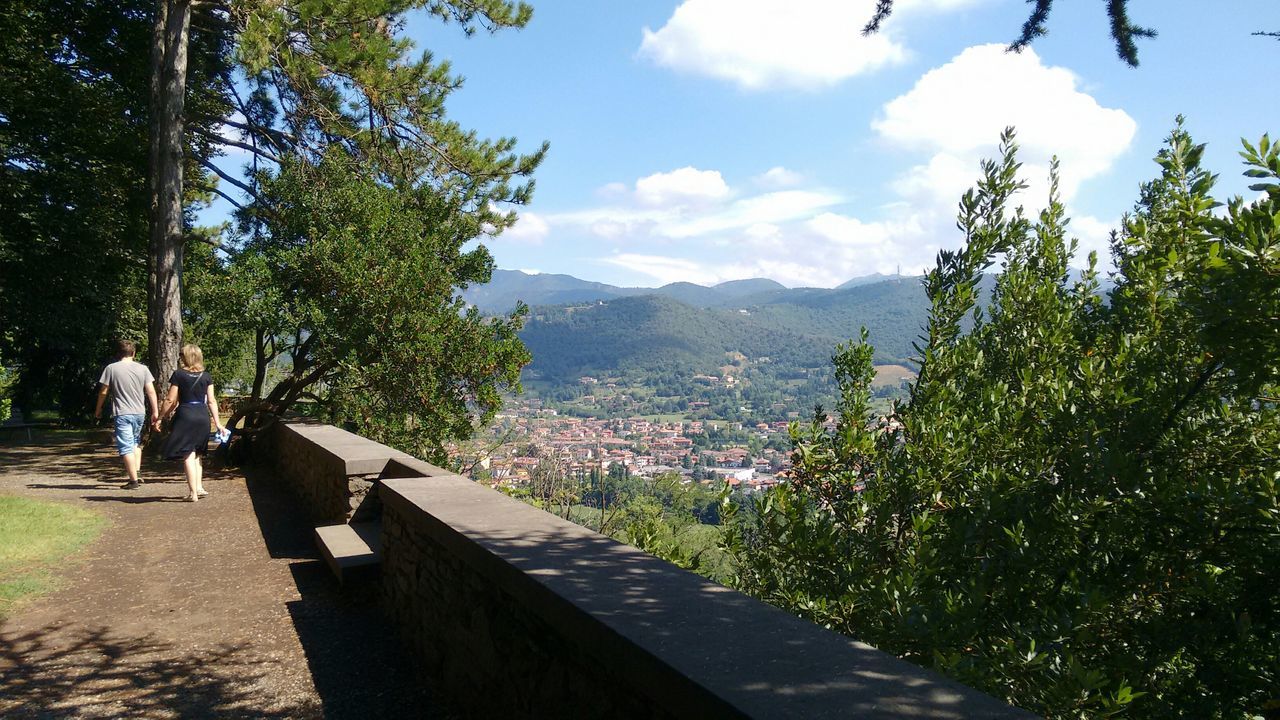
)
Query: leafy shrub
[{"x": 1076, "y": 507}]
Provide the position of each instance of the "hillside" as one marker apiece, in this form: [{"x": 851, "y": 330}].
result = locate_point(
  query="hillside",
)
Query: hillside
[
  {"x": 762, "y": 358},
  {"x": 509, "y": 286},
  {"x": 656, "y": 333},
  {"x": 794, "y": 331}
]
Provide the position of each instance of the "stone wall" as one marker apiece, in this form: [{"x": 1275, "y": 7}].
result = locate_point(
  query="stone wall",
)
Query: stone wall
[
  {"x": 524, "y": 615},
  {"x": 333, "y": 473},
  {"x": 517, "y": 613},
  {"x": 495, "y": 655}
]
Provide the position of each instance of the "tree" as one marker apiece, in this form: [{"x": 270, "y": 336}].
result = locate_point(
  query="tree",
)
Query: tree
[
  {"x": 169, "y": 53},
  {"x": 551, "y": 486},
  {"x": 352, "y": 286},
  {"x": 1123, "y": 31},
  {"x": 1076, "y": 507},
  {"x": 6, "y": 388},
  {"x": 73, "y": 138},
  {"x": 317, "y": 77}
]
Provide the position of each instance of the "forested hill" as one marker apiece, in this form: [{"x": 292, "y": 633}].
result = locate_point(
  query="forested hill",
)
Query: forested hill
[
  {"x": 507, "y": 287},
  {"x": 780, "y": 332}
]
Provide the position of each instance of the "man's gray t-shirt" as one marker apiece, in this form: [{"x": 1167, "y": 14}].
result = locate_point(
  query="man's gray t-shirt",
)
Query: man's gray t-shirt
[{"x": 128, "y": 381}]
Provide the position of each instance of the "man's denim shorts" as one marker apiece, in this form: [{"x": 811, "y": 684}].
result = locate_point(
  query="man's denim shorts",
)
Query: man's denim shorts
[{"x": 128, "y": 432}]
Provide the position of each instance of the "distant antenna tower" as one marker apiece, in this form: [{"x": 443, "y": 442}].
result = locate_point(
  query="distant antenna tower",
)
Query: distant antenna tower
[{"x": 897, "y": 275}]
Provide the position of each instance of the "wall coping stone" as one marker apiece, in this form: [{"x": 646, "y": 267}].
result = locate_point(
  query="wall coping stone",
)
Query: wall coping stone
[
  {"x": 348, "y": 452},
  {"x": 411, "y": 467},
  {"x": 694, "y": 646}
]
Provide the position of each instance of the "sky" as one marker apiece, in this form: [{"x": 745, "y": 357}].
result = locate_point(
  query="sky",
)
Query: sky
[{"x": 713, "y": 140}]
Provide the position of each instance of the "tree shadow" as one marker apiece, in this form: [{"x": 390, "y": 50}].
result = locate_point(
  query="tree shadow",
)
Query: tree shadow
[
  {"x": 60, "y": 672},
  {"x": 131, "y": 499},
  {"x": 86, "y": 455}
]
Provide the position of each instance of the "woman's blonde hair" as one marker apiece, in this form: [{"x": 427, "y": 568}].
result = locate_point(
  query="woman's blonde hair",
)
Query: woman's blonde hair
[{"x": 192, "y": 358}]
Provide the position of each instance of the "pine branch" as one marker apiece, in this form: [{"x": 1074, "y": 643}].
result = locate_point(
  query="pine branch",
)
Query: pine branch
[
  {"x": 215, "y": 137},
  {"x": 214, "y": 189},
  {"x": 1123, "y": 32},
  {"x": 207, "y": 241}
]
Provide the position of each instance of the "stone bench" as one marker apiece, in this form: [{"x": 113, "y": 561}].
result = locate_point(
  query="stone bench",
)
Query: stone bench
[
  {"x": 350, "y": 550},
  {"x": 334, "y": 473}
]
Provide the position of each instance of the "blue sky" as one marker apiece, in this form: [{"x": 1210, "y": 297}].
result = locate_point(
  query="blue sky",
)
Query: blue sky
[{"x": 710, "y": 140}]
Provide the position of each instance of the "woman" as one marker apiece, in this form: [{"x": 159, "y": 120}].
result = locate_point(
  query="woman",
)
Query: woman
[{"x": 191, "y": 397}]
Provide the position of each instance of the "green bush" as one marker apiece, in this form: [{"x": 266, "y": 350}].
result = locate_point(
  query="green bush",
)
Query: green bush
[
  {"x": 1076, "y": 507},
  {"x": 7, "y": 379}
]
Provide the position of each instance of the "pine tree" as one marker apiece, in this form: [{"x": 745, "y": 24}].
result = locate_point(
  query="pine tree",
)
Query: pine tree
[{"x": 316, "y": 77}]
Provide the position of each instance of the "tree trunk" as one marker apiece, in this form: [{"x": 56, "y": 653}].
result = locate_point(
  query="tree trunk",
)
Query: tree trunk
[
  {"x": 260, "y": 365},
  {"x": 168, "y": 94}
]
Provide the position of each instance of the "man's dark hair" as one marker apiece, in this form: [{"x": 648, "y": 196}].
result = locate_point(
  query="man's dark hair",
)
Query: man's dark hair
[{"x": 126, "y": 348}]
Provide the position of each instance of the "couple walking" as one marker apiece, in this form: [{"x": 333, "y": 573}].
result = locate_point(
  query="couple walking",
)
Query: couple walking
[{"x": 190, "y": 397}]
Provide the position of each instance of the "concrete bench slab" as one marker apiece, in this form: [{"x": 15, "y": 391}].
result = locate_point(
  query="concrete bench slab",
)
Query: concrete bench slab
[{"x": 348, "y": 548}]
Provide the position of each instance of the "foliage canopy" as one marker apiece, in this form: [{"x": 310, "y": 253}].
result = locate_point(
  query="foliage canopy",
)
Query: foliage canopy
[{"x": 1076, "y": 509}]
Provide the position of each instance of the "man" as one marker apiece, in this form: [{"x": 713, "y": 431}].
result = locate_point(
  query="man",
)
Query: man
[{"x": 127, "y": 381}]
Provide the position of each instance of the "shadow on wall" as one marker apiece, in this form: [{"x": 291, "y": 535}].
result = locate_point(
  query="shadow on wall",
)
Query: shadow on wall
[{"x": 93, "y": 674}]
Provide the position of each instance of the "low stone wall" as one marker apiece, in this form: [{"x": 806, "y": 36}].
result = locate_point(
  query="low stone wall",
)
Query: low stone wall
[
  {"x": 517, "y": 613},
  {"x": 332, "y": 472},
  {"x": 523, "y": 614}
]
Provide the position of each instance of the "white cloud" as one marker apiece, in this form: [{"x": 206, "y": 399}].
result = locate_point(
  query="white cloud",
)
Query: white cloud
[
  {"x": 530, "y": 229},
  {"x": 997, "y": 89},
  {"x": 775, "y": 207},
  {"x": 763, "y": 233},
  {"x": 690, "y": 203},
  {"x": 612, "y": 191},
  {"x": 1094, "y": 235},
  {"x": 530, "y": 271},
  {"x": 608, "y": 229},
  {"x": 778, "y": 177},
  {"x": 761, "y": 44},
  {"x": 686, "y": 185},
  {"x": 663, "y": 269}
]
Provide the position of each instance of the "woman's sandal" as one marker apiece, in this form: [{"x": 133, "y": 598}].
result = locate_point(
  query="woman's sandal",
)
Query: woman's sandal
[
  {"x": 202, "y": 493},
  {"x": 191, "y": 498}
]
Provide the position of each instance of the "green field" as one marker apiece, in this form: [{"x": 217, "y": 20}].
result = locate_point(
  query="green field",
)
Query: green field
[{"x": 35, "y": 536}]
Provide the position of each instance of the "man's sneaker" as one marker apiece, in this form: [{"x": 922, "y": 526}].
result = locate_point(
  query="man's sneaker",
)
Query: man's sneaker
[{"x": 132, "y": 485}]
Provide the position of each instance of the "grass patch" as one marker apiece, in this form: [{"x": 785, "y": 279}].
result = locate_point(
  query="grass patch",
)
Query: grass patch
[{"x": 35, "y": 535}]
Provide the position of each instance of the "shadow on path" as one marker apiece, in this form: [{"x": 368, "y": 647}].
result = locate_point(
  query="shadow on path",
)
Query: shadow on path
[
  {"x": 184, "y": 610},
  {"x": 358, "y": 664},
  {"x": 99, "y": 674}
]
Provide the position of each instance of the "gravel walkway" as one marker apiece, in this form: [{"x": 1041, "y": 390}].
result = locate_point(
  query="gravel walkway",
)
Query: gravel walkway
[{"x": 213, "y": 609}]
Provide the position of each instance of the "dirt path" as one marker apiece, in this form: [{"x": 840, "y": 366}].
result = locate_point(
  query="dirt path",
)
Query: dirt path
[{"x": 213, "y": 609}]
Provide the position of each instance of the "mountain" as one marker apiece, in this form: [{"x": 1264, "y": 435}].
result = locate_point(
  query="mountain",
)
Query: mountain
[
  {"x": 744, "y": 288},
  {"x": 869, "y": 280},
  {"x": 690, "y": 294},
  {"x": 507, "y": 287},
  {"x": 795, "y": 330}
]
